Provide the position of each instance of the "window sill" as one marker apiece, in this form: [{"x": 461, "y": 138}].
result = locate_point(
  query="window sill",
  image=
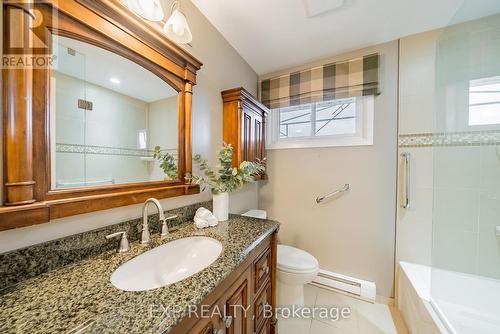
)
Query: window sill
[{"x": 297, "y": 144}]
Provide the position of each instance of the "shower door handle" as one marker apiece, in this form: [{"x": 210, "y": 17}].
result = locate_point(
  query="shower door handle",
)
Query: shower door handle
[{"x": 407, "y": 180}]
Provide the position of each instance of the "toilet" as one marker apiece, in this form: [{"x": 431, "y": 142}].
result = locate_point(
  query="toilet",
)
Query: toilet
[{"x": 295, "y": 269}]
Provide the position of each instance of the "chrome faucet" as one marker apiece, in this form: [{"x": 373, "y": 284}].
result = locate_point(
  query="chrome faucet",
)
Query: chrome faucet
[
  {"x": 164, "y": 226},
  {"x": 124, "y": 247},
  {"x": 145, "y": 229},
  {"x": 145, "y": 237}
]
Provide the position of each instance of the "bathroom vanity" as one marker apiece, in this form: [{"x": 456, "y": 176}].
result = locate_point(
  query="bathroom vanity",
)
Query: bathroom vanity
[
  {"x": 78, "y": 297},
  {"x": 246, "y": 296}
]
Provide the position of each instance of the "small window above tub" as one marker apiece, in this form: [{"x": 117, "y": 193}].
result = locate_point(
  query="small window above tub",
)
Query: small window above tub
[
  {"x": 328, "y": 105},
  {"x": 484, "y": 103},
  {"x": 342, "y": 122}
]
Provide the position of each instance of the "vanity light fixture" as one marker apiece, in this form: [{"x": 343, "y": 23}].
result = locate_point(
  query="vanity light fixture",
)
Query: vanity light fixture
[
  {"x": 149, "y": 9},
  {"x": 116, "y": 81},
  {"x": 177, "y": 28}
]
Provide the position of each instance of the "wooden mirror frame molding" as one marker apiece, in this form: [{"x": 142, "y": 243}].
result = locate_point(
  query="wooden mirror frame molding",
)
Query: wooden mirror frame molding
[{"x": 28, "y": 198}]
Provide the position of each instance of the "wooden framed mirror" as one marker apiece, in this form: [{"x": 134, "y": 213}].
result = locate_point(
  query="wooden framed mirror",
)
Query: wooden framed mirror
[{"x": 82, "y": 120}]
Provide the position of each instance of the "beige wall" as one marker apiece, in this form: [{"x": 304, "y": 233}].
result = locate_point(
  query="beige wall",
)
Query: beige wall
[
  {"x": 354, "y": 234},
  {"x": 223, "y": 68}
]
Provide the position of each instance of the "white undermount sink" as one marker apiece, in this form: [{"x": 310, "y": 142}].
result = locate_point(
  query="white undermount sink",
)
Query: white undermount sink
[{"x": 166, "y": 264}]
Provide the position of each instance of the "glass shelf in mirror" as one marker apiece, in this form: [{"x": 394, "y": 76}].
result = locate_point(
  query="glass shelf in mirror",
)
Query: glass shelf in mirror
[{"x": 107, "y": 115}]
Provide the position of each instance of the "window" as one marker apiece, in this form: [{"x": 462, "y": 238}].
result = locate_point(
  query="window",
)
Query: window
[
  {"x": 342, "y": 122},
  {"x": 142, "y": 139},
  {"x": 484, "y": 101}
]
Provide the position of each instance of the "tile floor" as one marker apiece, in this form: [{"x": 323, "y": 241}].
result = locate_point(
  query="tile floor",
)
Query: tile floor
[{"x": 365, "y": 318}]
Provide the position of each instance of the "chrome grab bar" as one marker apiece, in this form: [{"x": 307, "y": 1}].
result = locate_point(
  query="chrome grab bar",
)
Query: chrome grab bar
[
  {"x": 407, "y": 202},
  {"x": 345, "y": 188}
]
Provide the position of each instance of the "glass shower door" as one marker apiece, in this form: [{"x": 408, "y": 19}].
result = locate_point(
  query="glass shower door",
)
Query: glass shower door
[
  {"x": 465, "y": 283},
  {"x": 68, "y": 92}
]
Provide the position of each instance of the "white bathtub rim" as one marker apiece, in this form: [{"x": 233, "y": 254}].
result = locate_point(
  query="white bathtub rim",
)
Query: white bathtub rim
[
  {"x": 419, "y": 277},
  {"x": 440, "y": 319}
]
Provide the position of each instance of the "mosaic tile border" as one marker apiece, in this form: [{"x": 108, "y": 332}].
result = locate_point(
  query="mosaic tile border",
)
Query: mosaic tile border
[
  {"x": 107, "y": 150},
  {"x": 472, "y": 138}
]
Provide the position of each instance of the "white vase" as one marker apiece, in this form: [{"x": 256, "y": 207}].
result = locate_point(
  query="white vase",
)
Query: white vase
[{"x": 221, "y": 206}]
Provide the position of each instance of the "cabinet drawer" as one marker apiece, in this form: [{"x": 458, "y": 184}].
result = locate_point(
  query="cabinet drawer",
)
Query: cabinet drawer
[
  {"x": 262, "y": 269},
  {"x": 260, "y": 303}
]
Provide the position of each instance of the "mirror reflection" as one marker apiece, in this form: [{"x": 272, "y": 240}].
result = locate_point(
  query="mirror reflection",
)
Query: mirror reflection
[{"x": 112, "y": 121}]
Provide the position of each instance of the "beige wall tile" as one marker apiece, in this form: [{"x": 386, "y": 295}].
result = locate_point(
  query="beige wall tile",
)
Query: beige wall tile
[{"x": 417, "y": 88}]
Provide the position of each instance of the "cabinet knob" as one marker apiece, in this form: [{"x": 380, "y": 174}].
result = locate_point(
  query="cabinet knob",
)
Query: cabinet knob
[
  {"x": 265, "y": 269},
  {"x": 228, "y": 321}
]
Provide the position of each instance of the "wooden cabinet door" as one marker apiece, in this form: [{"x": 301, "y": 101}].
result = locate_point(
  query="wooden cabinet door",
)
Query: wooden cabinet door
[
  {"x": 237, "y": 309},
  {"x": 208, "y": 326},
  {"x": 266, "y": 329},
  {"x": 258, "y": 137},
  {"x": 252, "y": 136},
  {"x": 247, "y": 135}
]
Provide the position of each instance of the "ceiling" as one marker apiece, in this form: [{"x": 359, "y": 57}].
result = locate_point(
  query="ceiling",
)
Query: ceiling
[
  {"x": 99, "y": 66},
  {"x": 276, "y": 34}
]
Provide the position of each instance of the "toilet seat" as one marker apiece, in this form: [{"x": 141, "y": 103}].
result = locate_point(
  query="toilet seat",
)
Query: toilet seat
[{"x": 296, "y": 261}]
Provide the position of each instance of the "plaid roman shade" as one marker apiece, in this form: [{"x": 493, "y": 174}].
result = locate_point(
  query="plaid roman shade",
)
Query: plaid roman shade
[{"x": 355, "y": 77}]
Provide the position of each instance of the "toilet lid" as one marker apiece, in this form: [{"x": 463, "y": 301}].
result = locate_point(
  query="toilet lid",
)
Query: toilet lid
[{"x": 295, "y": 260}]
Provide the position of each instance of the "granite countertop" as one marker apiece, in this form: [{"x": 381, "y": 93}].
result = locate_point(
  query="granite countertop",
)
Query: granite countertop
[{"x": 79, "y": 298}]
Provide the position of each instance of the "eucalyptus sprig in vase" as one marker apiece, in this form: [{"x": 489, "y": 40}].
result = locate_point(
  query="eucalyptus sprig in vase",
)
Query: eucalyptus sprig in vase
[
  {"x": 225, "y": 178},
  {"x": 167, "y": 163}
]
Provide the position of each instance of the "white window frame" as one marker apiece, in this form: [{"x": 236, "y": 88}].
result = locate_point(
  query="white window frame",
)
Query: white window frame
[
  {"x": 362, "y": 137},
  {"x": 479, "y": 127}
]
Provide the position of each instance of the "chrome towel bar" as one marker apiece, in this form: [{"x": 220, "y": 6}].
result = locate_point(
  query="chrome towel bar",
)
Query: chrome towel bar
[{"x": 345, "y": 188}]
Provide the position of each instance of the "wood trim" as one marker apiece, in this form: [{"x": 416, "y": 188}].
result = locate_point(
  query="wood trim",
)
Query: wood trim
[
  {"x": 241, "y": 94},
  {"x": 17, "y": 120},
  {"x": 109, "y": 25},
  {"x": 188, "y": 99},
  {"x": 274, "y": 261},
  {"x": 23, "y": 215},
  {"x": 41, "y": 212},
  {"x": 116, "y": 12},
  {"x": 73, "y": 206}
]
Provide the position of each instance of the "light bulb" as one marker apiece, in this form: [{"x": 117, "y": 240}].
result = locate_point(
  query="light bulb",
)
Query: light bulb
[{"x": 178, "y": 29}]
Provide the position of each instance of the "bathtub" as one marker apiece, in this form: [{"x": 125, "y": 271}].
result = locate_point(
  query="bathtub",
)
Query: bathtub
[{"x": 459, "y": 304}]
